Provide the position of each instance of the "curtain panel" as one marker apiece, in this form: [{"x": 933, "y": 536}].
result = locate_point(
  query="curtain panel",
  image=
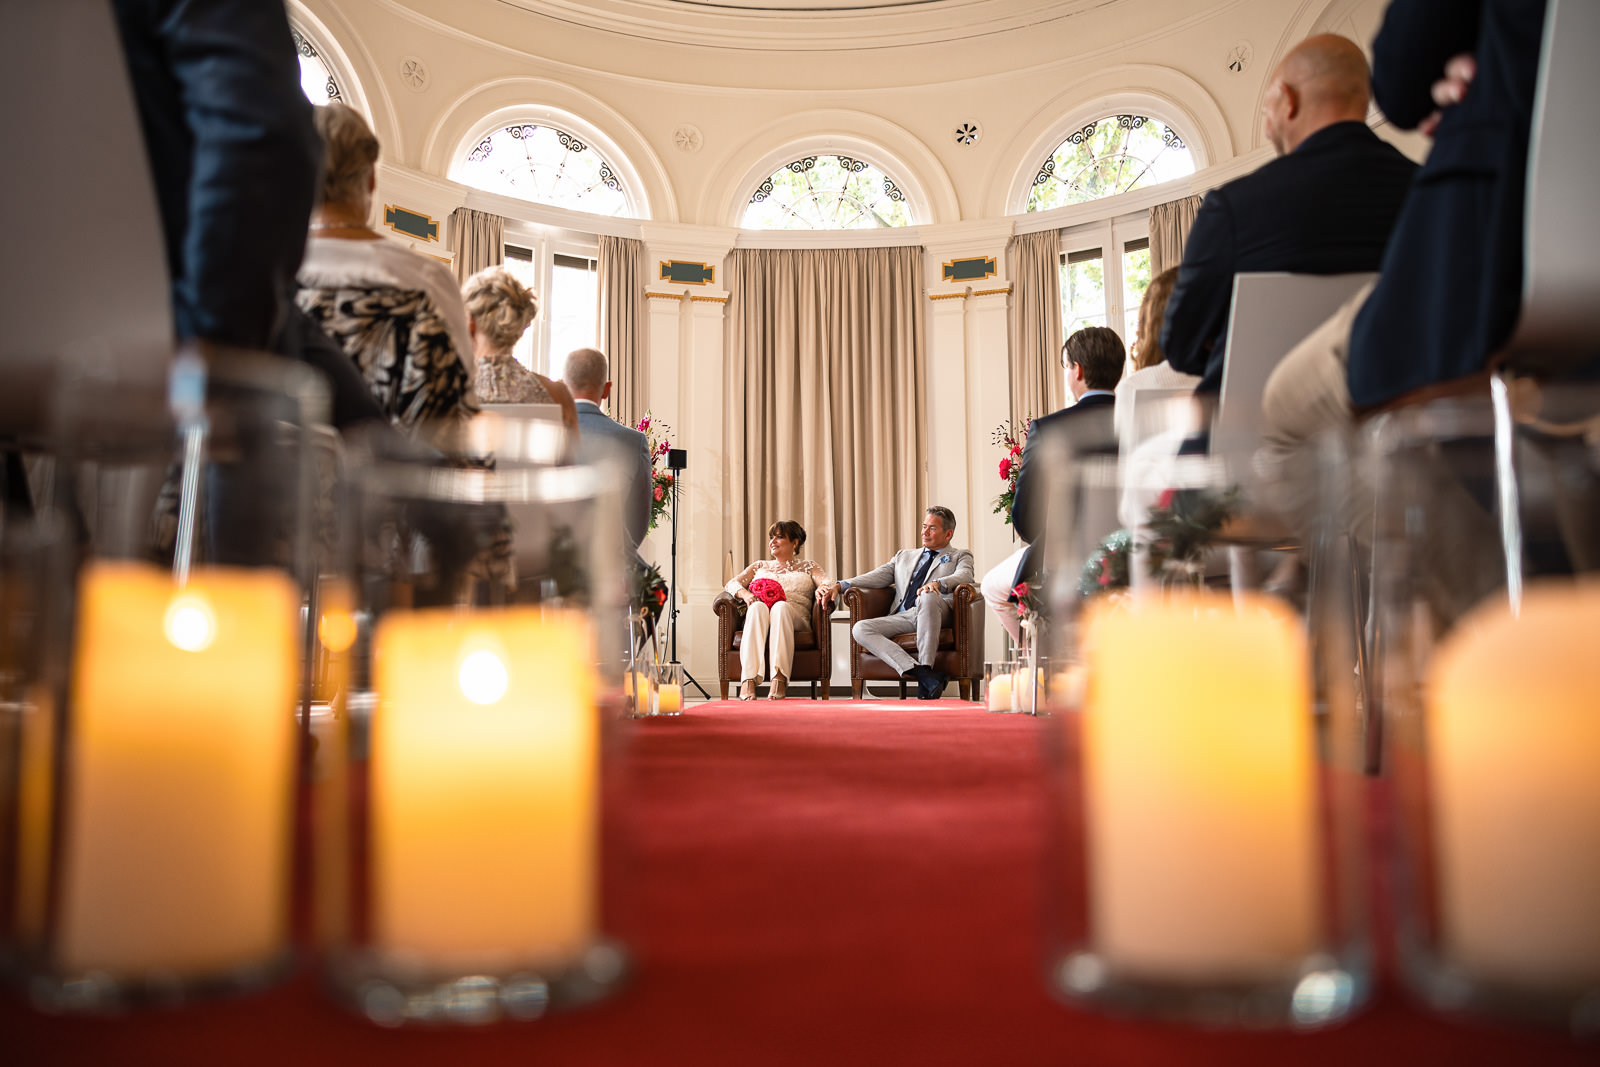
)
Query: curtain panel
[
  {"x": 622, "y": 324},
  {"x": 827, "y": 415},
  {"x": 478, "y": 240},
  {"x": 1038, "y": 385},
  {"x": 1169, "y": 228}
]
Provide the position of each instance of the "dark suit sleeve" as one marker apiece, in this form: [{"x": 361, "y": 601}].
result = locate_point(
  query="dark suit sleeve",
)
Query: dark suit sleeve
[
  {"x": 1416, "y": 40},
  {"x": 1198, "y": 307},
  {"x": 256, "y": 163},
  {"x": 1027, "y": 507},
  {"x": 638, "y": 517}
]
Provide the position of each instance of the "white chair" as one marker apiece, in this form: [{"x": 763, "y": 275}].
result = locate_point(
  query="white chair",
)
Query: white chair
[
  {"x": 89, "y": 290},
  {"x": 1271, "y": 313}
]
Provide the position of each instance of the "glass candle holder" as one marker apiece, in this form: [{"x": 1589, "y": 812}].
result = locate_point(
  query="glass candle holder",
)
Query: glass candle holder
[
  {"x": 1484, "y": 549},
  {"x": 1206, "y": 864},
  {"x": 998, "y": 679},
  {"x": 666, "y": 696},
  {"x": 488, "y": 581},
  {"x": 159, "y": 753}
]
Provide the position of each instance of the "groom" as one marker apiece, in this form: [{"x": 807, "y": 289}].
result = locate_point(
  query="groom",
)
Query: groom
[{"x": 922, "y": 580}]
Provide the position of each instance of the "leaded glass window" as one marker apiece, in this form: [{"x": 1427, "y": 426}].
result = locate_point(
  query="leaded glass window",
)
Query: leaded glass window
[
  {"x": 1117, "y": 154},
  {"x": 827, "y": 193},
  {"x": 316, "y": 80},
  {"x": 547, "y": 166}
]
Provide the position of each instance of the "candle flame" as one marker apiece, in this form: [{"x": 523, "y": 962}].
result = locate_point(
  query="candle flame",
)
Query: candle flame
[
  {"x": 189, "y": 624},
  {"x": 336, "y": 630},
  {"x": 483, "y": 677}
]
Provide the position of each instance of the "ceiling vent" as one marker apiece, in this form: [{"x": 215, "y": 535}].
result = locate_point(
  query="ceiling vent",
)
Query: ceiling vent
[{"x": 969, "y": 133}]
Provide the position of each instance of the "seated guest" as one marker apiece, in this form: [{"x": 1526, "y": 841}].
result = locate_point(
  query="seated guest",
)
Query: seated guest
[
  {"x": 1450, "y": 287},
  {"x": 587, "y": 376},
  {"x": 923, "y": 581},
  {"x": 799, "y": 579},
  {"x": 396, "y": 314},
  {"x": 1150, "y": 367},
  {"x": 1094, "y": 358},
  {"x": 1325, "y": 206},
  {"x": 499, "y": 310}
]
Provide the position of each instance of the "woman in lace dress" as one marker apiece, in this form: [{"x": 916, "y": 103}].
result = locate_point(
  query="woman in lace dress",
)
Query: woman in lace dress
[
  {"x": 769, "y": 632},
  {"x": 500, "y": 309}
]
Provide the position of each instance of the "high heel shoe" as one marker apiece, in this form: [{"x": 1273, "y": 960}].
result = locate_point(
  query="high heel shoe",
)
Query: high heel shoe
[
  {"x": 780, "y": 687},
  {"x": 747, "y": 689}
]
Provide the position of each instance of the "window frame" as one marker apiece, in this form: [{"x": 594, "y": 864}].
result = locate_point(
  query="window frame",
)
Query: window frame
[
  {"x": 628, "y": 176},
  {"x": 1117, "y": 232},
  {"x": 543, "y": 244}
]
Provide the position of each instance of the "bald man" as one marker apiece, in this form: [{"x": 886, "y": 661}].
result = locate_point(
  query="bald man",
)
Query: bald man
[{"x": 1324, "y": 206}]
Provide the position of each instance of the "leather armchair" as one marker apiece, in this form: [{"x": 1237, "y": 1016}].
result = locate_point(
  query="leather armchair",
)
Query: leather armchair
[
  {"x": 813, "y": 652},
  {"x": 960, "y": 653}
]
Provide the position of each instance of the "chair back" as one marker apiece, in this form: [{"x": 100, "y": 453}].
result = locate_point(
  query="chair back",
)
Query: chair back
[
  {"x": 89, "y": 289},
  {"x": 1271, "y": 313},
  {"x": 548, "y": 412},
  {"x": 1561, "y": 273}
]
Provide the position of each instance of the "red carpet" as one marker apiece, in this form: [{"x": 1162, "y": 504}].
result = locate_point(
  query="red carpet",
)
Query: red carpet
[{"x": 802, "y": 882}]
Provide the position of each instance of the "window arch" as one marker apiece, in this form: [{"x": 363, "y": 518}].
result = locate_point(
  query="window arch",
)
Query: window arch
[
  {"x": 827, "y": 192},
  {"x": 316, "y": 77},
  {"x": 1111, "y": 155},
  {"x": 547, "y": 165}
]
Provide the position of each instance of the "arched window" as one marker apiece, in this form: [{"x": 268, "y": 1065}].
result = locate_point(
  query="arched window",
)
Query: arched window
[
  {"x": 827, "y": 193},
  {"x": 547, "y": 166},
  {"x": 1116, "y": 154},
  {"x": 316, "y": 78}
]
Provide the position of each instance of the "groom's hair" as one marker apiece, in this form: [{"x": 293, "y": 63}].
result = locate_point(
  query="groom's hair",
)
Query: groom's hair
[
  {"x": 1098, "y": 350},
  {"x": 946, "y": 516}
]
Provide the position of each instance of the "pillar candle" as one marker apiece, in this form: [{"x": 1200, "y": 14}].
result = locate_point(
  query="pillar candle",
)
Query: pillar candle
[
  {"x": 1199, "y": 788},
  {"x": 176, "y": 813},
  {"x": 484, "y": 787},
  {"x": 1513, "y": 734},
  {"x": 1000, "y": 693},
  {"x": 669, "y": 699},
  {"x": 638, "y": 684}
]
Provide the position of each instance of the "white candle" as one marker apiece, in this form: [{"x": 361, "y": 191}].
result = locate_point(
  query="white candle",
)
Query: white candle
[
  {"x": 1000, "y": 693},
  {"x": 484, "y": 787},
  {"x": 1513, "y": 734},
  {"x": 1198, "y": 785},
  {"x": 669, "y": 699},
  {"x": 176, "y": 820}
]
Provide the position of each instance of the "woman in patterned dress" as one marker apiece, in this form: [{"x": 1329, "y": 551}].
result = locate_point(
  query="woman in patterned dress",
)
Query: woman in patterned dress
[
  {"x": 769, "y": 631},
  {"x": 500, "y": 309},
  {"x": 396, "y": 314}
]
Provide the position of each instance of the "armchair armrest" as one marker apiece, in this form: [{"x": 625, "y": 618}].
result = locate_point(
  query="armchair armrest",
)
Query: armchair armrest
[
  {"x": 967, "y": 617},
  {"x": 727, "y": 609}
]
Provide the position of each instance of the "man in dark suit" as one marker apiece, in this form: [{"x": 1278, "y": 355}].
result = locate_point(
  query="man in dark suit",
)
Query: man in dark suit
[
  {"x": 1325, "y": 206},
  {"x": 1451, "y": 282},
  {"x": 1094, "y": 358},
  {"x": 588, "y": 376}
]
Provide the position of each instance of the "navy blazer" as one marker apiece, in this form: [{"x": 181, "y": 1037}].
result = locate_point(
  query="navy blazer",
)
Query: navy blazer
[
  {"x": 596, "y": 427},
  {"x": 235, "y": 155},
  {"x": 1088, "y": 426},
  {"x": 1451, "y": 282},
  {"x": 1325, "y": 208}
]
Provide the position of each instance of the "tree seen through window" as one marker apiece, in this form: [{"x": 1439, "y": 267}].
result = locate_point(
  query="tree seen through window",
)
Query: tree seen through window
[
  {"x": 1117, "y": 154},
  {"x": 827, "y": 193}
]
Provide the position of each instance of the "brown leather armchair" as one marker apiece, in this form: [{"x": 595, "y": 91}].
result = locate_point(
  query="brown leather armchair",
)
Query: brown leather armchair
[
  {"x": 813, "y": 652},
  {"x": 960, "y": 652}
]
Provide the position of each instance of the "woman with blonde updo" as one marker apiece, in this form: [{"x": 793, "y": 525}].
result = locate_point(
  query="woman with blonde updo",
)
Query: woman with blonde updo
[{"x": 500, "y": 308}]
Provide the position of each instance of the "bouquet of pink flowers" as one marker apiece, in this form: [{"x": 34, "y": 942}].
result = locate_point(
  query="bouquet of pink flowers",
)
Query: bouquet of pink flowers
[
  {"x": 657, "y": 433},
  {"x": 768, "y": 591},
  {"x": 1013, "y": 441}
]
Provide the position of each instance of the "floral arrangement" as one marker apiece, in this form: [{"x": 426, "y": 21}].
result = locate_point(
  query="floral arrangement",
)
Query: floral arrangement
[
  {"x": 658, "y": 434},
  {"x": 1182, "y": 525},
  {"x": 1026, "y": 597},
  {"x": 1013, "y": 440},
  {"x": 647, "y": 590},
  {"x": 768, "y": 591}
]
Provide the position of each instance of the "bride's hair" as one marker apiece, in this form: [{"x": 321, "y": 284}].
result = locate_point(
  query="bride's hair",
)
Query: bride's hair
[{"x": 789, "y": 530}]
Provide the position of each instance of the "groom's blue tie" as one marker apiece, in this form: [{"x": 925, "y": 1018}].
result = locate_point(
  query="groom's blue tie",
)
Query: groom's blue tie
[{"x": 918, "y": 576}]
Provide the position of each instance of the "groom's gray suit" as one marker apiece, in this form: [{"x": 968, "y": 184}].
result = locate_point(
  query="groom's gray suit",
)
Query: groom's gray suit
[{"x": 951, "y": 567}]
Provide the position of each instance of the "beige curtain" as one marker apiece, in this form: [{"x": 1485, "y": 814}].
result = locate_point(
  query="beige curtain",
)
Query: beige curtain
[
  {"x": 622, "y": 325},
  {"x": 827, "y": 416},
  {"x": 478, "y": 240},
  {"x": 1169, "y": 228},
  {"x": 1037, "y": 382}
]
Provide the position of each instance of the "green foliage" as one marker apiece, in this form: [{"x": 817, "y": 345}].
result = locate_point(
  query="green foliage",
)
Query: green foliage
[{"x": 1112, "y": 158}]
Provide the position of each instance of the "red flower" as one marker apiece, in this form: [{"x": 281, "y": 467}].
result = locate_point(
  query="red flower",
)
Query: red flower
[
  {"x": 661, "y": 597},
  {"x": 1021, "y": 591},
  {"x": 1005, "y": 469},
  {"x": 660, "y": 495},
  {"x": 668, "y": 477},
  {"x": 1165, "y": 499},
  {"x": 1105, "y": 577},
  {"x": 644, "y": 424},
  {"x": 767, "y": 591},
  {"x": 1016, "y": 450}
]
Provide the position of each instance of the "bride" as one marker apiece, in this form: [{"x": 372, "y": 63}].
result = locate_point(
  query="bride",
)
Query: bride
[{"x": 798, "y": 579}]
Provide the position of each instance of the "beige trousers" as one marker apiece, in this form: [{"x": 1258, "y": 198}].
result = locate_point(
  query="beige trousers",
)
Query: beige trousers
[
  {"x": 997, "y": 588},
  {"x": 760, "y": 623}
]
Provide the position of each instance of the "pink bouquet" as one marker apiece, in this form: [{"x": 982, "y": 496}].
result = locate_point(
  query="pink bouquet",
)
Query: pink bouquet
[{"x": 767, "y": 591}]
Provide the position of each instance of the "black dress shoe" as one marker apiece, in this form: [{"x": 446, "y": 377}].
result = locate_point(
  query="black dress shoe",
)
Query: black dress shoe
[{"x": 930, "y": 683}]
